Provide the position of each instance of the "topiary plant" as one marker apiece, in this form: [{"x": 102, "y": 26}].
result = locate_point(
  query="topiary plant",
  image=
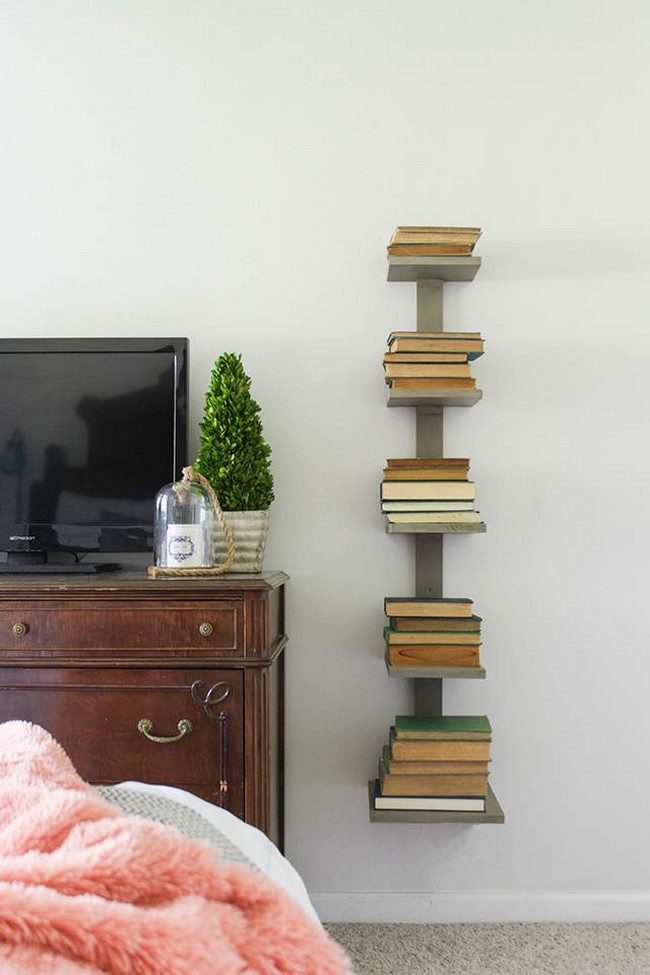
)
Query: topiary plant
[{"x": 233, "y": 454}]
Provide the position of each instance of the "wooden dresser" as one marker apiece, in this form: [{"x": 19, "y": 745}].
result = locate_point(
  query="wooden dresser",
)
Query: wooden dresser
[{"x": 179, "y": 682}]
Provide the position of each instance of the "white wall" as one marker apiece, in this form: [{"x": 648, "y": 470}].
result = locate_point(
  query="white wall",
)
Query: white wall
[{"x": 232, "y": 171}]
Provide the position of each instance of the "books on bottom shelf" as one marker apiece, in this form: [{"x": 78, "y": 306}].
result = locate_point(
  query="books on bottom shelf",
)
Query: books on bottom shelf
[
  {"x": 414, "y": 640},
  {"x": 438, "y": 762}
]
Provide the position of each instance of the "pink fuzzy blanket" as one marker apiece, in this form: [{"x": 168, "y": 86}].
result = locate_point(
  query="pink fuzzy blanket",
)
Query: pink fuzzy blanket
[{"x": 87, "y": 889}]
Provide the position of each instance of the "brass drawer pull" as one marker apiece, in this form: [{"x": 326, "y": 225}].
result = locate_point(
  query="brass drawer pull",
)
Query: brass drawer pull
[
  {"x": 206, "y": 629},
  {"x": 19, "y": 628},
  {"x": 145, "y": 726}
]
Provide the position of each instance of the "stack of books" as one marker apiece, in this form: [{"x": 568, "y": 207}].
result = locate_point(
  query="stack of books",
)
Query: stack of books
[
  {"x": 437, "y": 762},
  {"x": 433, "y": 241},
  {"x": 431, "y": 632},
  {"x": 431, "y": 360},
  {"x": 428, "y": 490}
]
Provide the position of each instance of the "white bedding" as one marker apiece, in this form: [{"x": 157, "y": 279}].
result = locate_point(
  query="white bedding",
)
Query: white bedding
[{"x": 251, "y": 841}]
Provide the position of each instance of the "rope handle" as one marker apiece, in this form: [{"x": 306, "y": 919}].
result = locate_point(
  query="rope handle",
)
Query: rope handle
[{"x": 189, "y": 474}]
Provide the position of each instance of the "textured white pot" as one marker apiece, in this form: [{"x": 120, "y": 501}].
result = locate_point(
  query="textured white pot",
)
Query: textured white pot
[{"x": 249, "y": 529}]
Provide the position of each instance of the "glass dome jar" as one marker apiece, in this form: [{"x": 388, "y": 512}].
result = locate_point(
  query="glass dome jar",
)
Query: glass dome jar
[{"x": 184, "y": 519}]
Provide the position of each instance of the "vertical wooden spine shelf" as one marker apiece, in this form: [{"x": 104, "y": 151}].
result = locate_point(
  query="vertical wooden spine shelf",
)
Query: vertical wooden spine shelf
[{"x": 429, "y": 275}]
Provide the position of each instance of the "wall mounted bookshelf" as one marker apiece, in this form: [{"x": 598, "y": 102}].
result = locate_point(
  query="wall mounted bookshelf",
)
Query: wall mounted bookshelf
[
  {"x": 430, "y": 275},
  {"x": 433, "y": 268},
  {"x": 428, "y": 673},
  {"x": 450, "y": 397},
  {"x": 441, "y": 528}
]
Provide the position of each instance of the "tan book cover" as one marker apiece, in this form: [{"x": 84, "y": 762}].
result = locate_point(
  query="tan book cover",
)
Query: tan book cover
[
  {"x": 437, "y": 342},
  {"x": 427, "y": 606},
  {"x": 425, "y": 473},
  {"x": 434, "y": 517},
  {"x": 437, "y": 784},
  {"x": 428, "y": 490},
  {"x": 425, "y": 357},
  {"x": 427, "y": 462},
  {"x": 424, "y": 655},
  {"x": 429, "y": 249},
  {"x": 417, "y": 382},
  {"x": 414, "y": 637},
  {"x": 396, "y": 370},
  {"x": 447, "y": 750},
  {"x": 425, "y": 767},
  {"x": 452, "y": 235}
]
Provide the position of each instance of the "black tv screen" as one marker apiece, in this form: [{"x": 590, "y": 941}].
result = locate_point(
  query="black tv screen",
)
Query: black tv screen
[{"x": 90, "y": 430}]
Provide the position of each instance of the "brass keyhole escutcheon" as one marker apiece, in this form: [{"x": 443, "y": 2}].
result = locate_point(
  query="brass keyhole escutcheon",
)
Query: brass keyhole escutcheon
[
  {"x": 19, "y": 628},
  {"x": 206, "y": 629}
]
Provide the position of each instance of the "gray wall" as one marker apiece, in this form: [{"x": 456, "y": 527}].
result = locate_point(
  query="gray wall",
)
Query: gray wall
[{"x": 232, "y": 171}]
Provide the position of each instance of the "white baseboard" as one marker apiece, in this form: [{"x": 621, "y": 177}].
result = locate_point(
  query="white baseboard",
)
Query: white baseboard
[{"x": 457, "y": 907}]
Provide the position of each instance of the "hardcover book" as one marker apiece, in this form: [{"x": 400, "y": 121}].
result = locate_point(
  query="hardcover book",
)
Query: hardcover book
[
  {"x": 459, "y": 726},
  {"x": 427, "y": 606},
  {"x": 442, "y": 803}
]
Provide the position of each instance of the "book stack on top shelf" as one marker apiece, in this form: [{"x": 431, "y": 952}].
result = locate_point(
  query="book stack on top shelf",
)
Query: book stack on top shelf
[
  {"x": 439, "y": 253},
  {"x": 432, "y": 241},
  {"x": 435, "y": 762},
  {"x": 432, "y": 361},
  {"x": 432, "y": 633},
  {"x": 429, "y": 494}
]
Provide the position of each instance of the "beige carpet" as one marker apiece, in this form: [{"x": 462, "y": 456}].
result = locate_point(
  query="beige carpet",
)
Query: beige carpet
[{"x": 496, "y": 949}]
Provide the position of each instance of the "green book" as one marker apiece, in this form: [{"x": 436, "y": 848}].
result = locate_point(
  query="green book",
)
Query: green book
[{"x": 459, "y": 726}]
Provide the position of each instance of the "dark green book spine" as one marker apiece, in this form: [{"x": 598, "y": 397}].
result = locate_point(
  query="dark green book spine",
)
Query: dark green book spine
[{"x": 411, "y": 723}]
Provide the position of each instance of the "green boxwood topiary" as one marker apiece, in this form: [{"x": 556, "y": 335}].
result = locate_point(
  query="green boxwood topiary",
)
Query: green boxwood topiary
[{"x": 233, "y": 454}]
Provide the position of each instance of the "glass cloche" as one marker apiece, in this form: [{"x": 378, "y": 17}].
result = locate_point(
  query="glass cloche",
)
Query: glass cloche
[{"x": 184, "y": 519}]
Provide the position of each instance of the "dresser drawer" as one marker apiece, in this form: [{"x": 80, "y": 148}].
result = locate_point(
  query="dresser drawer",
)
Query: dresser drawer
[
  {"x": 108, "y": 720},
  {"x": 214, "y": 625}
]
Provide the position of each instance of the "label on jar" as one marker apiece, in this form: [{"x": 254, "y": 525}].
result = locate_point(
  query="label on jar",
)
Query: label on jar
[{"x": 186, "y": 546}]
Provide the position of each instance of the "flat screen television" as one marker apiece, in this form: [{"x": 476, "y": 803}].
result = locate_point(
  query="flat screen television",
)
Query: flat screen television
[{"x": 90, "y": 430}]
